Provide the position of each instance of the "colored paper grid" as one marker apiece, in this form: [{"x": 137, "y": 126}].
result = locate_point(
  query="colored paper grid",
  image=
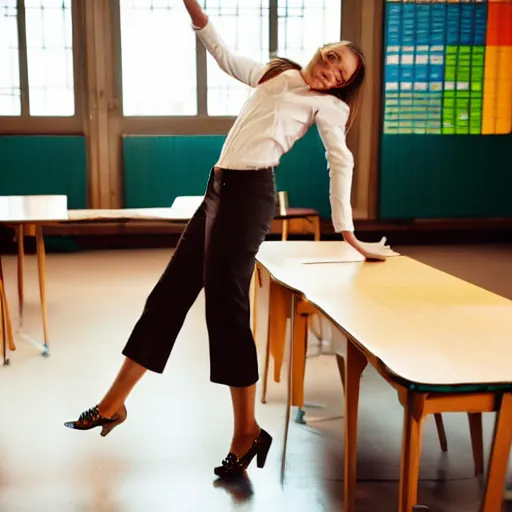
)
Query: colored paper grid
[
  {"x": 463, "y": 82},
  {"x": 497, "y": 104},
  {"x": 441, "y": 72}
]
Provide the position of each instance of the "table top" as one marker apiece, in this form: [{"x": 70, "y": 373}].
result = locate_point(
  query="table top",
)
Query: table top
[
  {"x": 425, "y": 326},
  {"x": 127, "y": 214},
  {"x": 33, "y": 209}
]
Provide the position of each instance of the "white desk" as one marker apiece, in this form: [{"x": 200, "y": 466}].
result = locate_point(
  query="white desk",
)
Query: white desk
[
  {"x": 29, "y": 214},
  {"x": 421, "y": 329}
]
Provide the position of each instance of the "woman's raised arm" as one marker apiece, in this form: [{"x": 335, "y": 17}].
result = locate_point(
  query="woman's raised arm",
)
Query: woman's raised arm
[{"x": 244, "y": 69}]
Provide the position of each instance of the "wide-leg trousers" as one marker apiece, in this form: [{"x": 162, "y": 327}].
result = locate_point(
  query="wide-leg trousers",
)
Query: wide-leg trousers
[{"x": 216, "y": 251}]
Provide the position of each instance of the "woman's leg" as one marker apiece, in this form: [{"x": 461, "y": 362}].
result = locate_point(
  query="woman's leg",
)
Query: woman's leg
[
  {"x": 246, "y": 427},
  {"x": 129, "y": 374},
  {"x": 236, "y": 225},
  {"x": 154, "y": 334}
]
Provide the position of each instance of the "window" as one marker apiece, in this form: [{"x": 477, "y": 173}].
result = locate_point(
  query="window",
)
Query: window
[
  {"x": 48, "y": 54},
  {"x": 304, "y": 26},
  {"x": 158, "y": 59},
  {"x": 10, "y": 98},
  {"x": 244, "y": 27},
  {"x": 162, "y": 75},
  {"x": 49, "y": 36}
]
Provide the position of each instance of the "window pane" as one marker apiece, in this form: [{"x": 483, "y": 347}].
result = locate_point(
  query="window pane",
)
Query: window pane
[
  {"x": 159, "y": 59},
  {"x": 50, "y": 57},
  {"x": 243, "y": 25},
  {"x": 305, "y": 25},
  {"x": 10, "y": 100}
]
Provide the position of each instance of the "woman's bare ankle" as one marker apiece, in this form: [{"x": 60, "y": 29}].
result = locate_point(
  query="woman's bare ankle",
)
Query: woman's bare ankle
[{"x": 108, "y": 410}]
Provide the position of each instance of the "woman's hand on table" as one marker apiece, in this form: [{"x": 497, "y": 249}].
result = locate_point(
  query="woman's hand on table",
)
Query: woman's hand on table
[{"x": 372, "y": 251}]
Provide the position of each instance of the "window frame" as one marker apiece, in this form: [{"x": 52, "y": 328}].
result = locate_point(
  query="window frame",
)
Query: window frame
[
  {"x": 25, "y": 124},
  {"x": 202, "y": 123}
]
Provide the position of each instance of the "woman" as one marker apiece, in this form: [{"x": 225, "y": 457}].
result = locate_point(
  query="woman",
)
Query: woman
[{"x": 218, "y": 247}]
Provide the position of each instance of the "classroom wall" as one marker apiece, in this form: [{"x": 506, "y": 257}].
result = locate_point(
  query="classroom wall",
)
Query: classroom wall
[
  {"x": 446, "y": 148},
  {"x": 159, "y": 168},
  {"x": 44, "y": 165},
  {"x": 445, "y": 176}
]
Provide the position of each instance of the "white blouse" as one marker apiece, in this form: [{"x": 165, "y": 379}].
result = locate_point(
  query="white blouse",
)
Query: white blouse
[{"x": 280, "y": 112}]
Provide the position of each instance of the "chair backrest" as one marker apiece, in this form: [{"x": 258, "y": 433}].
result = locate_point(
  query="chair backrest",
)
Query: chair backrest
[{"x": 281, "y": 203}]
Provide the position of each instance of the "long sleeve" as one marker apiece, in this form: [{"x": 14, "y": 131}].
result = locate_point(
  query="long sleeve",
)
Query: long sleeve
[
  {"x": 331, "y": 122},
  {"x": 244, "y": 69}
]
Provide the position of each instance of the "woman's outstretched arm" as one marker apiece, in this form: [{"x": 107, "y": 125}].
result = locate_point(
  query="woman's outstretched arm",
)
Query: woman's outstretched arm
[{"x": 246, "y": 70}]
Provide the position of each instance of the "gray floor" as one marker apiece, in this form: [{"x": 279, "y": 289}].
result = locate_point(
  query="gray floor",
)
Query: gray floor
[{"x": 180, "y": 425}]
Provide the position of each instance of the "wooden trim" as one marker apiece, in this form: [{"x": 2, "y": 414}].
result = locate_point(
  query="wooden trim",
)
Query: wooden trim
[
  {"x": 78, "y": 58},
  {"x": 112, "y": 58},
  {"x": 25, "y": 125},
  {"x": 201, "y": 79},
  {"x": 273, "y": 33},
  {"x": 377, "y": 111},
  {"x": 23, "y": 59},
  {"x": 176, "y": 125},
  {"x": 362, "y": 23}
]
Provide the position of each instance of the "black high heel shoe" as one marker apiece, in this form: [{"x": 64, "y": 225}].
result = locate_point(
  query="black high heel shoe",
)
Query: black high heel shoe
[
  {"x": 92, "y": 418},
  {"x": 234, "y": 466}
]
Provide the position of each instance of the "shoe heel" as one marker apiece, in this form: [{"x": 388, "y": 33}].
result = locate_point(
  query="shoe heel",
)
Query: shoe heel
[
  {"x": 106, "y": 429},
  {"x": 261, "y": 456}
]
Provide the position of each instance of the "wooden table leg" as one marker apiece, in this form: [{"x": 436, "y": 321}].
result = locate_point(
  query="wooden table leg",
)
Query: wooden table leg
[
  {"x": 7, "y": 335},
  {"x": 412, "y": 437},
  {"x": 21, "y": 258},
  {"x": 278, "y": 313},
  {"x": 498, "y": 461},
  {"x": 355, "y": 364},
  {"x": 290, "y": 385},
  {"x": 300, "y": 345},
  {"x": 41, "y": 267}
]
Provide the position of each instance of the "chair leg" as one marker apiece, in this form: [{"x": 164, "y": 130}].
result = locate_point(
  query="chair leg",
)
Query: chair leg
[
  {"x": 477, "y": 441},
  {"x": 441, "y": 432},
  {"x": 284, "y": 234},
  {"x": 316, "y": 227},
  {"x": 341, "y": 368}
]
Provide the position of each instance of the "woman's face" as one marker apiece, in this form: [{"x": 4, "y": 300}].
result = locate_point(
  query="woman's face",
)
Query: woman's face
[{"x": 332, "y": 66}]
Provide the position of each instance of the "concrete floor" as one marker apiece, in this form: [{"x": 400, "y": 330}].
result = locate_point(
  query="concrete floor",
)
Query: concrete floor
[{"x": 179, "y": 424}]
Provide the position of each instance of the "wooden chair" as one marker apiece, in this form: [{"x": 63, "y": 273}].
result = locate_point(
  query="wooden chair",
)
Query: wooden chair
[{"x": 285, "y": 214}]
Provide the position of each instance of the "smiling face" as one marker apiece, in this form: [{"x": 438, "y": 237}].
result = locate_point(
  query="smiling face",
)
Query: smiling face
[{"x": 333, "y": 66}]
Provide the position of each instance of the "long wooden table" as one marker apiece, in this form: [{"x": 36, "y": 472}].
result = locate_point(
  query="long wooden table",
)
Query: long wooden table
[
  {"x": 29, "y": 215},
  {"x": 442, "y": 343}
]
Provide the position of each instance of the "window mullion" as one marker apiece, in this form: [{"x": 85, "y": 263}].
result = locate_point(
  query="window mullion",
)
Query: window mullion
[
  {"x": 23, "y": 60},
  {"x": 202, "y": 93},
  {"x": 273, "y": 32}
]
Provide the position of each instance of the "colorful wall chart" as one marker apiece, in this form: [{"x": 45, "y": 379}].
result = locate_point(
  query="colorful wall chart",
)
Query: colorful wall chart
[{"x": 448, "y": 67}]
